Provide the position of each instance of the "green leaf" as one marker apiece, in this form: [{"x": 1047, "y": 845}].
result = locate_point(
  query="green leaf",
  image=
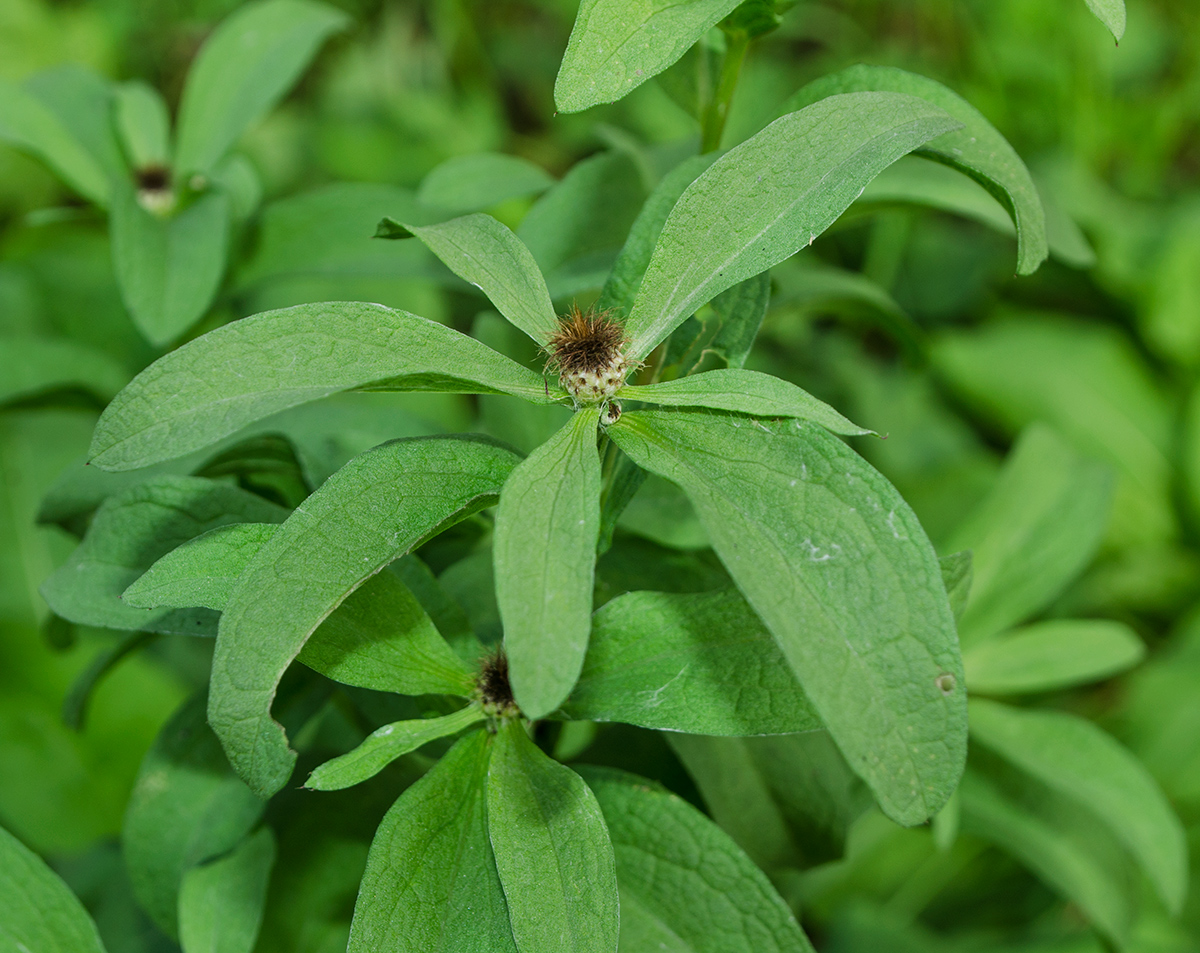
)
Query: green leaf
[
  {"x": 221, "y": 903},
  {"x": 83, "y": 101},
  {"x": 544, "y": 547},
  {"x": 746, "y": 392},
  {"x": 957, "y": 574},
  {"x": 248, "y": 370},
  {"x": 431, "y": 881},
  {"x": 616, "y": 46},
  {"x": 485, "y": 253},
  {"x": 1074, "y": 757},
  {"x": 657, "y": 510},
  {"x": 1112, "y": 14},
  {"x": 1052, "y": 655},
  {"x": 976, "y": 148},
  {"x": 129, "y": 533},
  {"x": 685, "y": 886},
  {"x": 552, "y": 850},
  {"x": 837, "y": 566},
  {"x": 201, "y": 572},
  {"x": 144, "y": 124},
  {"x": 700, "y": 662},
  {"x": 477, "y": 182},
  {"x": 384, "y": 745},
  {"x": 1033, "y": 533},
  {"x": 247, "y": 65},
  {"x": 769, "y": 197},
  {"x": 35, "y": 366},
  {"x": 75, "y": 704},
  {"x": 186, "y": 807},
  {"x": 169, "y": 269},
  {"x": 28, "y": 124},
  {"x": 379, "y": 506},
  {"x": 37, "y": 910}
]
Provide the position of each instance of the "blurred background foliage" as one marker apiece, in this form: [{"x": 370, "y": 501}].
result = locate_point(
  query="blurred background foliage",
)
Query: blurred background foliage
[{"x": 906, "y": 316}]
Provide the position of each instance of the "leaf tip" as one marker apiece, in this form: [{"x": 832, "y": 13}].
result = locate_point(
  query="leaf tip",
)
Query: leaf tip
[{"x": 388, "y": 227}]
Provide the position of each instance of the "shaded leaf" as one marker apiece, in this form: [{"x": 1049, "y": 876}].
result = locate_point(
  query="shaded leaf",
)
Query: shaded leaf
[
  {"x": 144, "y": 123},
  {"x": 477, "y": 182},
  {"x": 957, "y": 574},
  {"x": 221, "y": 903},
  {"x": 35, "y": 366}
]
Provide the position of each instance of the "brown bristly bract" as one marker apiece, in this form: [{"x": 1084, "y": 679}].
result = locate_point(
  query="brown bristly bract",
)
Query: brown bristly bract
[
  {"x": 493, "y": 688},
  {"x": 587, "y": 351}
]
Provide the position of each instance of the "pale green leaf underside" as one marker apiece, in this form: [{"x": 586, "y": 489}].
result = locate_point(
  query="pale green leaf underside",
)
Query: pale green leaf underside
[
  {"x": 485, "y": 253},
  {"x": 1073, "y": 756},
  {"x": 552, "y": 850},
  {"x": 385, "y": 745},
  {"x": 376, "y": 508},
  {"x": 616, "y": 45},
  {"x": 701, "y": 663},
  {"x": 33, "y": 366},
  {"x": 975, "y": 148},
  {"x": 221, "y": 904},
  {"x": 545, "y": 557},
  {"x": 1052, "y": 655},
  {"x": 769, "y": 197},
  {"x": 431, "y": 881},
  {"x": 687, "y": 884},
  {"x": 746, "y": 392},
  {"x": 1112, "y": 14},
  {"x": 245, "y": 371},
  {"x": 837, "y": 566}
]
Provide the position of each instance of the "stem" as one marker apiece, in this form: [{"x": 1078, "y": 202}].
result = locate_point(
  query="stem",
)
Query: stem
[{"x": 718, "y": 108}]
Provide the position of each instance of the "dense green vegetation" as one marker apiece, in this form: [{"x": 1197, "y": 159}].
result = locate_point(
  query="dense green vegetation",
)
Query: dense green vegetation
[{"x": 804, "y": 397}]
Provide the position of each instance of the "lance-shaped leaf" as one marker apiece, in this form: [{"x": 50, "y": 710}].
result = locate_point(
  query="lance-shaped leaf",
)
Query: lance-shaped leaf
[
  {"x": 142, "y": 119},
  {"x": 685, "y": 886},
  {"x": 545, "y": 557},
  {"x": 217, "y": 384},
  {"x": 376, "y": 508},
  {"x": 384, "y": 745},
  {"x": 976, "y": 148},
  {"x": 835, "y": 563},
  {"x": 169, "y": 268},
  {"x": 616, "y": 46},
  {"x": 484, "y": 252},
  {"x": 476, "y": 182},
  {"x": 1050, "y": 655},
  {"x": 34, "y": 366},
  {"x": 746, "y": 392},
  {"x": 431, "y": 881},
  {"x": 37, "y": 910},
  {"x": 1112, "y": 14},
  {"x": 248, "y": 64},
  {"x": 1074, "y": 757},
  {"x": 221, "y": 903},
  {"x": 702, "y": 663},
  {"x": 552, "y": 850},
  {"x": 769, "y": 197},
  {"x": 129, "y": 533}
]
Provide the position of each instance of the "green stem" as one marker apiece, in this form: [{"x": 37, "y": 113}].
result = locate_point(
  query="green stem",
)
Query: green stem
[{"x": 718, "y": 108}]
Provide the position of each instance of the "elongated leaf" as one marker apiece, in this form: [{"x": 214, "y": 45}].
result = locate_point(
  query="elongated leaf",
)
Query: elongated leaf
[
  {"x": 83, "y": 101},
  {"x": 957, "y": 574},
  {"x": 144, "y": 123},
  {"x": 378, "y": 507},
  {"x": 248, "y": 370},
  {"x": 685, "y": 886},
  {"x": 1073, "y": 756},
  {"x": 384, "y": 745},
  {"x": 248, "y": 64},
  {"x": 129, "y": 533},
  {"x": 976, "y": 148},
  {"x": 1033, "y": 533},
  {"x": 431, "y": 881},
  {"x": 221, "y": 903},
  {"x": 1112, "y": 14},
  {"x": 746, "y": 392},
  {"x": 37, "y": 910},
  {"x": 35, "y": 366},
  {"x": 29, "y": 124},
  {"x": 702, "y": 663},
  {"x": 169, "y": 268},
  {"x": 545, "y": 556},
  {"x": 186, "y": 807},
  {"x": 838, "y": 567},
  {"x": 1052, "y": 655},
  {"x": 484, "y": 252},
  {"x": 477, "y": 182},
  {"x": 201, "y": 572},
  {"x": 616, "y": 46},
  {"x": 552, "y": 850},
  {"x": 771, "y": 196},
  {"x": 75, "y": 704}
]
